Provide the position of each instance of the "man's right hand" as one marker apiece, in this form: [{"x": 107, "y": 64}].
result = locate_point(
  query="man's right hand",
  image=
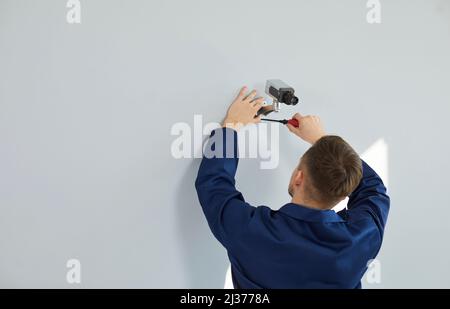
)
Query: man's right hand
[{"x": 310, "y": 128}]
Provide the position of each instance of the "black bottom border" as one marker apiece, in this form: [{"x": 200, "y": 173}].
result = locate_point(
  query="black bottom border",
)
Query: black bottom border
[{"x": 212, "y": 298}]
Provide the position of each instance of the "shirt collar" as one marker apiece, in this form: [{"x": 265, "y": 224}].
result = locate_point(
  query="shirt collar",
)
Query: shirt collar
[{"x": 309, "y": 214}]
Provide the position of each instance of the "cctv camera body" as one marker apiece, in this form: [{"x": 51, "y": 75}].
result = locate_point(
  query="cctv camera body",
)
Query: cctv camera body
[{"x": 280, "y": 92}]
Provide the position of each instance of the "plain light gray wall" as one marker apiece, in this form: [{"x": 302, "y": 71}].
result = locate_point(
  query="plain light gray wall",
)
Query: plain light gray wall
[{"x": 86, "y": 111}]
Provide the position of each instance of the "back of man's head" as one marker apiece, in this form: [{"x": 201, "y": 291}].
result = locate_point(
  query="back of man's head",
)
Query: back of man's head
[{"x": 332, "y": 170}]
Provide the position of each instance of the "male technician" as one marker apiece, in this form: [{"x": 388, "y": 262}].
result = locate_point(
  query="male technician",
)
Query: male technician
[{"x": 304, "y": 244}]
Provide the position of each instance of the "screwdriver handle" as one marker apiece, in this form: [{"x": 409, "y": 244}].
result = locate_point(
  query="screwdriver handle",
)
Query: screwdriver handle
[{"x": 293, "y": 122}]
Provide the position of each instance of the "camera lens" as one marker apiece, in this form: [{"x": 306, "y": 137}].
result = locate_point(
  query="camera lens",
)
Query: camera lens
[{"x": 290, "y": 99}]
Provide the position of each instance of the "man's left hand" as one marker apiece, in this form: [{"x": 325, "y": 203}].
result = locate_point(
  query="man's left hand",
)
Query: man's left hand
[{"x": 243, "y": 110}]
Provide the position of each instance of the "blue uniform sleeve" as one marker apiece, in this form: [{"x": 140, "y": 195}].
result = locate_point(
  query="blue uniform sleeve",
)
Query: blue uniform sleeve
[
  {"x": 224, "y": 207},
  {"x": 370, "y": 198}
]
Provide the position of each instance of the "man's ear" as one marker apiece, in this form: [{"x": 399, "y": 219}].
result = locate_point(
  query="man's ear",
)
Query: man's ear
[{"x": 298, "y": 177}]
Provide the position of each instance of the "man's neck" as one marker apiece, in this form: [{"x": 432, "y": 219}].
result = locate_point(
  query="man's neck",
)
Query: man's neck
[{"x": 307, "y": 203}]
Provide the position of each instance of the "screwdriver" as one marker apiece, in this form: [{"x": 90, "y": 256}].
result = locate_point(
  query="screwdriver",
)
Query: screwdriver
[{"x": 293, "y": 122}]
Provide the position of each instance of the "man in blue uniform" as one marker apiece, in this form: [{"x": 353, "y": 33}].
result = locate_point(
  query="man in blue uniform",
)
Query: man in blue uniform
[{"x": 305, "y": 244}]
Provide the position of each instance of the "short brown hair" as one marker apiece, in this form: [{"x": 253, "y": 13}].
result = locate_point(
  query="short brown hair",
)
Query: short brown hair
[{"x": 333, "y": 170}]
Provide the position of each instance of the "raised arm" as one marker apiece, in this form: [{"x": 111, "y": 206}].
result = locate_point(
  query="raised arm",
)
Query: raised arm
[
  {"x": 224, "y": 207},
  {"x": 370, "y": 198}
]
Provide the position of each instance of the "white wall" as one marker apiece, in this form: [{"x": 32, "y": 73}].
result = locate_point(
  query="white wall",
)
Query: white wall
[{"x": 86, "y": 110}]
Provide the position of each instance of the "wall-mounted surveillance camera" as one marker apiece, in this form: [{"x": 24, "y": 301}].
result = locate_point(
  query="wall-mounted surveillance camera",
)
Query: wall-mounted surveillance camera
[{"x": 280, "y": 92}]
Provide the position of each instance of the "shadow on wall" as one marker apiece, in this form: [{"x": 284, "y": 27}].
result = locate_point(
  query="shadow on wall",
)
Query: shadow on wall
[{"x": 204, "y": 257}]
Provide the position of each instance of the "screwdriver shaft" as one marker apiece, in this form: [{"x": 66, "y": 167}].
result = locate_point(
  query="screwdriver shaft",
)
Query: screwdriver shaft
[{"x": 273, "y": 120}]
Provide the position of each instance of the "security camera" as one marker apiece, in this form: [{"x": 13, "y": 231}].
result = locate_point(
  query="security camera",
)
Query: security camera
[{"x": 280, "y": 92}]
